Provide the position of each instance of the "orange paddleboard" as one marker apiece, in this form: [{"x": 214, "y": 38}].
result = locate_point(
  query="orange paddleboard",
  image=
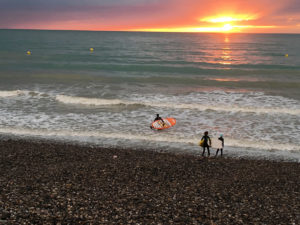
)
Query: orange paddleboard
[{"x": 158, "y": 124}]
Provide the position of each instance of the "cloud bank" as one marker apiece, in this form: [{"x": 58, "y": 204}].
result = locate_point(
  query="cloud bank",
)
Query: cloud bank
[{"x": 144, "y": 14}]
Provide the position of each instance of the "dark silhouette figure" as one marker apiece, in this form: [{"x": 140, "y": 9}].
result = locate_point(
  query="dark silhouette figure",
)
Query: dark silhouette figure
[
  {"x": 206, "y": 143},
  {"x": 158, "y": 118}
]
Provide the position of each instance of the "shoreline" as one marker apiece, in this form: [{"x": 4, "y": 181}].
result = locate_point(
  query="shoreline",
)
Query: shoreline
[
  {"x": 45, "y": 183},
  {"x": 238, "y": 153}
]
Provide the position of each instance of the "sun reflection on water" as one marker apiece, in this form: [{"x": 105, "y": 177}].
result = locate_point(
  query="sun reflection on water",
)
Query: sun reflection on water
[
  {"x": 222, "y": 51},
  {"x": 226, "y": 56}
]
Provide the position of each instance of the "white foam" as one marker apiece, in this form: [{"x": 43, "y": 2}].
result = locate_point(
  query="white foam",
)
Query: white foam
[
  {"x": 194, "y": 106},
  {"x": 260, "y": 144},
  {"x": 5, "y": 94},
  {"x": 156, "y": 137},
  {"x": 231, "y": 107},
  {"x": 15, "y": 93},
  {"x": 228, "y": 108},
  {"x": 88, "y": 101}
]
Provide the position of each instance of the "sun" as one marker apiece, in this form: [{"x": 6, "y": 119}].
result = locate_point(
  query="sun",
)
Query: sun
[
  {"x": 221, "y": 23},
  {"x": 227, "y": 27},
  {"x": 214, "y": 24}
]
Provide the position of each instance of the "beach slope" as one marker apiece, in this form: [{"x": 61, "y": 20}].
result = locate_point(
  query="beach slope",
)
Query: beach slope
[{"x": 57, "y": 183}]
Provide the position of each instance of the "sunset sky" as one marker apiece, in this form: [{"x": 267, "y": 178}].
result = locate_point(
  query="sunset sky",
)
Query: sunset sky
[{"x": 259, "y": 16}]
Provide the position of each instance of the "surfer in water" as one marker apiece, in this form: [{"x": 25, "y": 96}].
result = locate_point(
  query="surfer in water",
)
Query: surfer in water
[
  {"x": 220, "y": 149},
  {"x": 206, "y": 143},
  {"x": 158, "y": 118}
]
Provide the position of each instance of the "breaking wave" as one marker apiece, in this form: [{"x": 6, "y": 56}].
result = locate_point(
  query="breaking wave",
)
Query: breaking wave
[
  {"x": 16, "y": 93},
  {"x": 83, "y": 135},
  {"x": 5, "y": 94},
  {"x": 89, "y": 101},
  {"x": 193, "y": 106}
]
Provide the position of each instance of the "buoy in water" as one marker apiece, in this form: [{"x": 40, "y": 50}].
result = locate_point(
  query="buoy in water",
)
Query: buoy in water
[
  {"x": 28, "y": 52},
  {"x": 91, "y": 49},
  {"x": 286, "y": 55}
]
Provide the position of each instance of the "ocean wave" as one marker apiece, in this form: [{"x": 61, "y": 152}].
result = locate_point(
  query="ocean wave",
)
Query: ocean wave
[
  {"x": 16, "y": 93},
  {"x": 84, "y": 135},
  {"x": 5, "y": 94},
  {"x": 192, "y": 106},
  {"x": 89, "y": 101},
  {"x": 260, "y": 144},
  {"x": 229, "y": 108}
]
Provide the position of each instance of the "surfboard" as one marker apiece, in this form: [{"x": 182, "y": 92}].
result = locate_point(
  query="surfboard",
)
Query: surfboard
[
  {"x": 158, "y": 124},
  {"x": 216, "y": 143}
]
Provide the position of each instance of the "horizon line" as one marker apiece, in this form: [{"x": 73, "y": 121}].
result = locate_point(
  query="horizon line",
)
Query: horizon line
[{"x": 133, "y": 31}]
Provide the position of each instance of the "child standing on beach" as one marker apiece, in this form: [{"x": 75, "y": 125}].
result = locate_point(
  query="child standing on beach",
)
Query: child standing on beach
[
  {"x": 206, "y": 143},
  {"x": 220, "y": 149}
]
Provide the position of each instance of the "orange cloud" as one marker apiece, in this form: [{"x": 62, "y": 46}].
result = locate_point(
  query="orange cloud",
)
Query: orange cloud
[
  {"x": 154, "y": 15},
  {"x": 231, "y": 18}
]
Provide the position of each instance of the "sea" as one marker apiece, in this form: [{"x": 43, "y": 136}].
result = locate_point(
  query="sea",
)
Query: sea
[{"x": 105, "y": 88}]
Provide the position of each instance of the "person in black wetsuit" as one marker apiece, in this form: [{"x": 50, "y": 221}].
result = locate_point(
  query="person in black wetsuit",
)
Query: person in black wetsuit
[
  {"x": 206, "y": 143},
  {"x": 220, "y": 149},
  {"x": 158, "y": 118}
]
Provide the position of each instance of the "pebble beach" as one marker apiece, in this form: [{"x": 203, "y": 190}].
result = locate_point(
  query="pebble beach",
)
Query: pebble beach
[{"x": 44, "y": 182}]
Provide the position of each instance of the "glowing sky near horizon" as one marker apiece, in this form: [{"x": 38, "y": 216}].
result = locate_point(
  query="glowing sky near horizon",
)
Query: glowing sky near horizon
[{"x": 261, "y": 16}]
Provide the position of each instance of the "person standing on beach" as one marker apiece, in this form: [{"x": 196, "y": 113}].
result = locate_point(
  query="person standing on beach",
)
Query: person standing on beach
[
  {"x": 220, "y": 149},
  {"x": 206, "y": 143}
]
